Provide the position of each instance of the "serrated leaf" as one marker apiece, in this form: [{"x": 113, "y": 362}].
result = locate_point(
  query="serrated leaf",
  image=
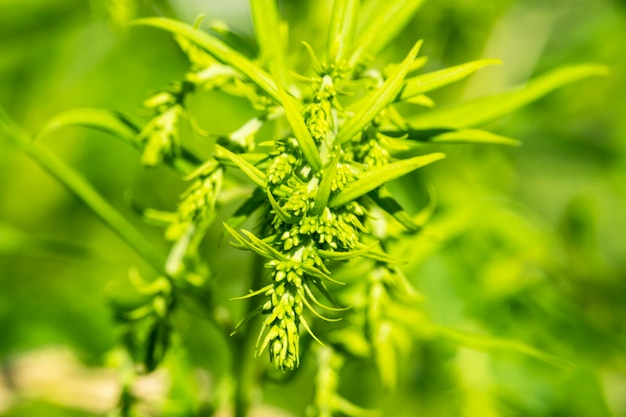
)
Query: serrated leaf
[
  {"x": 106, "y": 121},
  {"x": 486, "y": 109},
  {"x": 247, "y": 168},
  {"x": 381, "y": 21},
  {"x": 342, "y": 27},
  {"x": 217, "y": 49},
  {"x": 300, "y": 131},
  {"x": 421, "y": 84},
  {"x": 378, "y": 176},
  {"x": 372, "y": 105}
]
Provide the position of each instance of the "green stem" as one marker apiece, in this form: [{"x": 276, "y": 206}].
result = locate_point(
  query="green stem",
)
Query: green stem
[{"x": 83, "y": 190}]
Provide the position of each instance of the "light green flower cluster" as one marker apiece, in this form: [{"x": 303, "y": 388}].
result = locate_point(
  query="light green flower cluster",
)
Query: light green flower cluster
[{"x": 161, "y": 135}]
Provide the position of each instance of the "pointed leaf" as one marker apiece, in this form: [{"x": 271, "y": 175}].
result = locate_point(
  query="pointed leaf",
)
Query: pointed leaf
[
  {"x": 385, "y": 201},
  {"x": 487, "y": 343},
  {"x": 217, "y": 49},
  {"x": 268, "y": 28},
  {"x": 300, "y": 131},
  {"x": 107, "y": 121},
  {"x": 473, "y": 136},
  {"x": 324, "y": 189},
  {"x": 378, "y": 176},
  {"x": 378, "y": 100},
  {"x": 342, "y": 26},
  {"x": 382, "y": 21},
  {"x": 247, "y": 168},
  {"x": 427, "y": 82},
  {"x": 284, "y": 216},
  {"x": 486, "y": 109}
]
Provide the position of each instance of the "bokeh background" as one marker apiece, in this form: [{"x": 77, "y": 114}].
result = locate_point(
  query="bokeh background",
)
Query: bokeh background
[{"x": 527, "y": 243}]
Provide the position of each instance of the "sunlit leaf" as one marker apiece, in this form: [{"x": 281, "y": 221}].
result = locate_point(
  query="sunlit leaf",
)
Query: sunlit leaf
[
  {"x": 300, "y": 131},
  {"x": 378, "y": 176},
  {"x": 247, "y": 168},
  {"x": 483, "y": 110},
  {"x": 342, "y": 27},
  {"x": 381, "y": 21},
  {"x": 427, "y": 82},
  {"x": 372, "y": 105},
  {"x": 268, "y": 28},
  {"x": 217, "y": 49}
]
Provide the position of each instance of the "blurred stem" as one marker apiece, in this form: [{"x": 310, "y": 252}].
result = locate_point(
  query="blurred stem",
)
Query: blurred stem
[
  {"x": 244, "y": 369},
  {"x": 84, "y": 191}
]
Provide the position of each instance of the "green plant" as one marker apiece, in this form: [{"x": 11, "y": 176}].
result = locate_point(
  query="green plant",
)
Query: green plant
[{"x": 316, "y": 185}]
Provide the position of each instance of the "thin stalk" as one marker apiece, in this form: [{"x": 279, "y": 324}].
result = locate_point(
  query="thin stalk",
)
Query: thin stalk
[{"x": 84, "y": 191}]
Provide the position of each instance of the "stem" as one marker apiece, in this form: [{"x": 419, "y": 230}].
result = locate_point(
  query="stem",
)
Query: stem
[
  {"x": 243, "y": 351},
  {"x": 84, "y": 191}
]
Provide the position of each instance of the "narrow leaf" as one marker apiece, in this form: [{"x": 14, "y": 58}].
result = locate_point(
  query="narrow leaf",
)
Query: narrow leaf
[
  {"x": 385, "y": 201},
  {"x": 382, "y": 21},
  {"x": 284, "y": 216},
  {"x": 486, "y": 109},
  {"x": 300, "y": 131},
  {"x": 106, "y": 121},
  {"x": 378, "y": 100},
  {"x": 268, "y": 27},
  {"x": 324, "y": 189},
  {"x": 342, "y": 28},
  {"x": 378, "y": 176},
  {"x": 247, "y": 168},
  {"x": 217, "y": 49},
  {"x": 486, "y": 343},
  {"x": 427, "y": 82},
  {"x": 473, "y": 136}
]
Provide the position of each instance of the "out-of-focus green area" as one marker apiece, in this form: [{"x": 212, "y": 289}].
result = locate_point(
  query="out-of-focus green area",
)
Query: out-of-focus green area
[{"x": 526, "y": 244}]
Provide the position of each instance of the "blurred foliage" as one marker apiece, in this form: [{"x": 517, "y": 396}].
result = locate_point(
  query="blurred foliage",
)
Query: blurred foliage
[{"x": 526, "y": 243}]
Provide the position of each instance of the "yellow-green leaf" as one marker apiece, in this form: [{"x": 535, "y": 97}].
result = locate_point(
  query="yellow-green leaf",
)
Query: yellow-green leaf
[
  {"x": 424, "y": 83},
  {"x": 486, "y": 109},
  {"x": 378, "y": 176},
  {"x": 378, "y": 100},
  {"x": 218, "y": 49}
]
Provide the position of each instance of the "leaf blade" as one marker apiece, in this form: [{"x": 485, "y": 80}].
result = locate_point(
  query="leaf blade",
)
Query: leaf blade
[
  {"x": 486, "y": 109},
  {"x": 376, "y": 177},
  {"x": 218, "y": 50}
]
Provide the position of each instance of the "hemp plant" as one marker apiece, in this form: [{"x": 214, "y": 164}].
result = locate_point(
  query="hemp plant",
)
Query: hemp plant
[{"x": 317, "y": 187}]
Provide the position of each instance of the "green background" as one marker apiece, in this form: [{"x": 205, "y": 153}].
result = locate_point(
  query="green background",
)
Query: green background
[{"x": 526, "y": 244}]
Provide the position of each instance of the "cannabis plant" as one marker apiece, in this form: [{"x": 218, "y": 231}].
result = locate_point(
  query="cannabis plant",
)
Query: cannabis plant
[{"x": 309, "y": 175}]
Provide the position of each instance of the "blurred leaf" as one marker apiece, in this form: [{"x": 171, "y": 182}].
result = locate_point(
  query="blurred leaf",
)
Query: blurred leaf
[
  {"x": 342, "y": 27},
  {"x": 107, "y": 121},
  {"x": 381, "y": 22},
  {"x": 486, "y": 109},
  {"x": 218, "y": 49}
]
